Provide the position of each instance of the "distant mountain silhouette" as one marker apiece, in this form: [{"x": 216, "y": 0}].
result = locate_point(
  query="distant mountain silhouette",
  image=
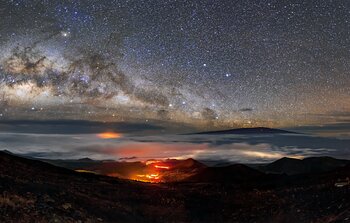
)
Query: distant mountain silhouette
[
  {"x": 185, "y": 164},
  {"x": 86, "y": 159},
  {"x": 74, "y": 163},
  {"x": 292, "y": 166},
  {"x": 243, "y": 131}
]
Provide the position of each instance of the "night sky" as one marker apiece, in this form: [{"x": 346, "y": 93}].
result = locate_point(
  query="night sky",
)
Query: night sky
[{"x": 212, "y": 64}]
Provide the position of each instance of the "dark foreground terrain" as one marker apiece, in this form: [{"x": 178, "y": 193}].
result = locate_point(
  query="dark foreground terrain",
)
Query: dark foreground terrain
[{"x": 34, "y": 191}]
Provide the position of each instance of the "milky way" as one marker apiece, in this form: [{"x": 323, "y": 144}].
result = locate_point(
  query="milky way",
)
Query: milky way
[{"x": 208, "y": 63}]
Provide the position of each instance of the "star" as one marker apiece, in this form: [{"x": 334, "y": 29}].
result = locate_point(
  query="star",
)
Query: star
[
  {"x": 65, "y": 34},
  {"x": 141, "y": 61}
]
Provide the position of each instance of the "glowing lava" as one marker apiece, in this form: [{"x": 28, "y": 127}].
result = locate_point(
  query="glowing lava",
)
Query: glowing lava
[
  {"x": 154, "y": 173},
  {"x": 157, "y": 164},
  {"x": 152, "y": 178},
  {"x": 109, "y": 135},
  {"x": 162, "y": 167}
]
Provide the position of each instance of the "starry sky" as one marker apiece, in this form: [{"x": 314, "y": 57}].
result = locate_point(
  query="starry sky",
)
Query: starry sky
[{"x": 206, "y": 63}]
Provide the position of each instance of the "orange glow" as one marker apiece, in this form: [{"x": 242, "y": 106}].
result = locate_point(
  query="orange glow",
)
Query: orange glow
[
  {"x": 109, "y": 135},
  {"x": 151, "y": 178},
  {"x": 162, "y": 167},
  {"x": 154, "y": 174},
  {"x": 157, "y": 164},
  {"x": 149, "y": 162},
  {"x": 140, "y": 149},
  {"x": 85, "y": 171}
]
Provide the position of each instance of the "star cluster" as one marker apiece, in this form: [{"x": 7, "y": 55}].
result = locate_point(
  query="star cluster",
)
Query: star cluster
[{"x": 209, "y": 63}]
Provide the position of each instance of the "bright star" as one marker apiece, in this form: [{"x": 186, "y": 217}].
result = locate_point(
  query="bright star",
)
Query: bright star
[{"x": 65, "y": 34}]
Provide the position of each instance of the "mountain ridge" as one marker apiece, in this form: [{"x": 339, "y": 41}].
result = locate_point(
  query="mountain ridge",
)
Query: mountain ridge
[
  {"x": 243, "y": 131},
  {"x": 292, "y": 166}
]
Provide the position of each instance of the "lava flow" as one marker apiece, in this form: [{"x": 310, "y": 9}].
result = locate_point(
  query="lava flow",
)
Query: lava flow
[
  {"x": 152, "y": 171},
  {"x": 162, "y": 167},
  {"x": 155, "y": 171},
  {"x": 158, "y": 164},
  {"x": 151, "y": 178}
]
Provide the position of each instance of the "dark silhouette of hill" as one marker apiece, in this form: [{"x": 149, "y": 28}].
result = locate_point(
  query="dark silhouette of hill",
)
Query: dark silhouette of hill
[
  {"x": 35, "y": 191},
  {"x": 117, "y": 169},
  {"x": 341, "y": 172},
  {"x": 292, "y": 166},
  {"x": 73, "y": 164},
  {"x": 244, "y": 131},
  {"x": 21, "y": 165},
  {"x": 185, "y": 164},
  {"x": 236, "y": 173}
]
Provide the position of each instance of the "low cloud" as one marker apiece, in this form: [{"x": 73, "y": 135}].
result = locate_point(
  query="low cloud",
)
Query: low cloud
[{"x": 73, "y": 127}]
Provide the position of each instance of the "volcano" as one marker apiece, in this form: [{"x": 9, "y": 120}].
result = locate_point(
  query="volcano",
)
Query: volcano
[
  {"x": 248, "y": 131},
  {"x": 155, "y": 171}
]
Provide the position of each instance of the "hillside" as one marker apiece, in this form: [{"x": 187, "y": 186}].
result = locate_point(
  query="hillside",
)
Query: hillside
[
  {"x": 292, "y": 166},
  {"x": 236, "y": 173},
  {"x": 34, "y": 191}
]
